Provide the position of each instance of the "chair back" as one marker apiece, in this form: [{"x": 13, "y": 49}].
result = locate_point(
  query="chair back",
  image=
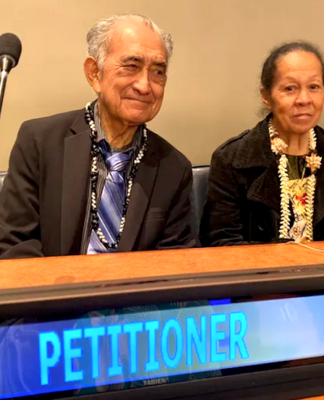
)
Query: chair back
[{"x": 198, "y": 194}]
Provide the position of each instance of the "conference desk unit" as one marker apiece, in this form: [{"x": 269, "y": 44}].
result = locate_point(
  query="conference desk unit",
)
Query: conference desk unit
[{"x": 243, "y": 322}]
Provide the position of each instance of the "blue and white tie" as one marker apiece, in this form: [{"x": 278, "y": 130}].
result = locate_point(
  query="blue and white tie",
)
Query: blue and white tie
[{"x": 112, "y": 201}]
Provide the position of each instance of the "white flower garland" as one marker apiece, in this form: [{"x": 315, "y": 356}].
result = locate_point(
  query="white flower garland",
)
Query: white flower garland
[
  {"x": 278, "y": 146},
  {"x": 284, "y": 197}
]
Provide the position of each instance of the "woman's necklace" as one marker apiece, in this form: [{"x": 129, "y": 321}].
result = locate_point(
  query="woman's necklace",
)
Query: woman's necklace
[
  {"x": 313, "y": 161},
  {"x": 294, "y": 173},
  {"x": 89, "y": 117}
]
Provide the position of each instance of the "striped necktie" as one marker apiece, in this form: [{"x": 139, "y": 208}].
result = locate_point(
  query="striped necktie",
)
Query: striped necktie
[{"x": 112, "y": 201}]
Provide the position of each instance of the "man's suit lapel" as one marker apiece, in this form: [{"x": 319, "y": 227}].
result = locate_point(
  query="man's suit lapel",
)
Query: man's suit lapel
[
  {"x": 140, "y": 197},
  {"x": 76, "y": 175}
]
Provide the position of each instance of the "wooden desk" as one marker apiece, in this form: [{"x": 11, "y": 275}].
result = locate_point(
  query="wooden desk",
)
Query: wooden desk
[
  {"x": 314, "y": 398},
  {"x": 57, "y": 270}
]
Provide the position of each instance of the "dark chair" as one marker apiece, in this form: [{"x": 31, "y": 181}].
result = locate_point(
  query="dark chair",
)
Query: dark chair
[
  {"x": 198, "y": 194},
  {"x": 2, "y": 176}
]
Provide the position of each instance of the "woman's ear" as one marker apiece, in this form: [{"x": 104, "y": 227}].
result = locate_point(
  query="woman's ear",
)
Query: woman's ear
[
  {"x": 92, "y": 73},
  {"x": 266, "y": 98}
]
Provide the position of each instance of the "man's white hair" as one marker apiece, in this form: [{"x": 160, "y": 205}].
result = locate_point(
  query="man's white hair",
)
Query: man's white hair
[{"x": 99, "y": 36}]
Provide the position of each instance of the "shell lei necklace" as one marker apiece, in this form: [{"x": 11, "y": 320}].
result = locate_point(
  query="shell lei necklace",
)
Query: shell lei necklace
[
  {"x": 94, "y": 180},
  {"x": 278, "y": 146}
]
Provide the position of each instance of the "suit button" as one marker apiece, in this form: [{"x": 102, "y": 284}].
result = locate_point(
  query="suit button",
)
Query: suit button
[{"x": 262, "y": 227}]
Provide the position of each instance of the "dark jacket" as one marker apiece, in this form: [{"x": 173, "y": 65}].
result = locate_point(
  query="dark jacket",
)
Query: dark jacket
[
  {"x": 243, "y": 200},
  {"x": 44, "y": 197}
]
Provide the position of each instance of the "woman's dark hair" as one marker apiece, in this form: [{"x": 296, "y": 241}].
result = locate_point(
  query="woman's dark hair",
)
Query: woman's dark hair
[{"x": 270, "y": 65}]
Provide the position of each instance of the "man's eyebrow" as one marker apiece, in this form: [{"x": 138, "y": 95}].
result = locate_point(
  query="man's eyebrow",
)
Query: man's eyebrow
[
  {"x": 140, "y": 59},
  {"x": 132, "y": 58},
  {"x": 160, "y": 64}
]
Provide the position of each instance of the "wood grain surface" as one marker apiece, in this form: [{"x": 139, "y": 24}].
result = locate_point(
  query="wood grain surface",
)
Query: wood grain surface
[
  {"x": 60, "y": 270},
  {"x": 314, "y": 398}
]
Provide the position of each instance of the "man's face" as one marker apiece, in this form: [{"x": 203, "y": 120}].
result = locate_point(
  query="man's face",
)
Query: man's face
[{"x": 131, "y": 84}]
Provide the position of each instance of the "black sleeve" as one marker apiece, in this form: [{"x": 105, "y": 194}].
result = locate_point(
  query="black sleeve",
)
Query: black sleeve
[
  {"x": 19, "y": 200},
  {"x": 222, "y": 217},
  {"x": 178, "y": 231}
]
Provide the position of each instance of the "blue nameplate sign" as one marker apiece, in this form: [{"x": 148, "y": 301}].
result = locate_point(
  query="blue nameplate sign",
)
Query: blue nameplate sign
[{"x": 116, "y": 349}]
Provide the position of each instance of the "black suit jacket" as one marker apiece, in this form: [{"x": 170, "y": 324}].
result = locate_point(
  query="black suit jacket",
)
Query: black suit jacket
[
  {"x": 243, "y": 200},
  {"x": 44, "y": 197}
]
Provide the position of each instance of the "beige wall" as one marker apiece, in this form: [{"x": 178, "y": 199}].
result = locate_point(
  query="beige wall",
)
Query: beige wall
[{"x": 212, "y": 91}]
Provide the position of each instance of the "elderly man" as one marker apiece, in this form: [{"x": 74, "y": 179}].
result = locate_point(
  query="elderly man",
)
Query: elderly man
[{"x": 98, "y": 180}]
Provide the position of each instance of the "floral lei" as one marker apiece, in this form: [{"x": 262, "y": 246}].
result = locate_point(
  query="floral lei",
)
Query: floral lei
[{"x": 313, "y": 161}]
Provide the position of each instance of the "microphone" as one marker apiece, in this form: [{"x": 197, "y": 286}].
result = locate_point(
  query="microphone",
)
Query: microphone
[{"x": 10, "y": 50}]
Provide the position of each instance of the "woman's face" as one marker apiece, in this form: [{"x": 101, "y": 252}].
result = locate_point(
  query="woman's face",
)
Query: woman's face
[{"x": 296, "y": 97}]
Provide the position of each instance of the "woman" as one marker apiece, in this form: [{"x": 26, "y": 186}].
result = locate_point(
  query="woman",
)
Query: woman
[{"x": 267, "y": 184}]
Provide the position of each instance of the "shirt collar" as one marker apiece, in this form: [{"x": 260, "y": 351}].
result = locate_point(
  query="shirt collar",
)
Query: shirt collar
[{"x": 133, "y": 145}]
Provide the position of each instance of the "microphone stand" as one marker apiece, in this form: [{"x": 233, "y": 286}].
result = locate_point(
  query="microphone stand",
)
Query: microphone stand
[{"x": 7, "y": 63}]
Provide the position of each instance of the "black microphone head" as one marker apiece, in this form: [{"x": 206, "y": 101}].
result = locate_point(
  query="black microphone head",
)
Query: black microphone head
[{"x": 10, "y": 45}]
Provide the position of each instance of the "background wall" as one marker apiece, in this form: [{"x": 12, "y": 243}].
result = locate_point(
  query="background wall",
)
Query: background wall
[{"x": 212, "y": 90}]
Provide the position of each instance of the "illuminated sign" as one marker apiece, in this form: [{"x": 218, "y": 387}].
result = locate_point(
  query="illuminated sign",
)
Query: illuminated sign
[
  {"x": 188, "y": 336},
  {"x": 156, "y": 342}
]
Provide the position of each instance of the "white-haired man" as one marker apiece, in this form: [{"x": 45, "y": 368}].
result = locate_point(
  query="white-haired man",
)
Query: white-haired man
[{"x": 97, "y": 180}]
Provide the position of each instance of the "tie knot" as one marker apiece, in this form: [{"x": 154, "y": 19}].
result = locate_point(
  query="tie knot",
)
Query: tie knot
[{"x": 118, "y": 161}]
